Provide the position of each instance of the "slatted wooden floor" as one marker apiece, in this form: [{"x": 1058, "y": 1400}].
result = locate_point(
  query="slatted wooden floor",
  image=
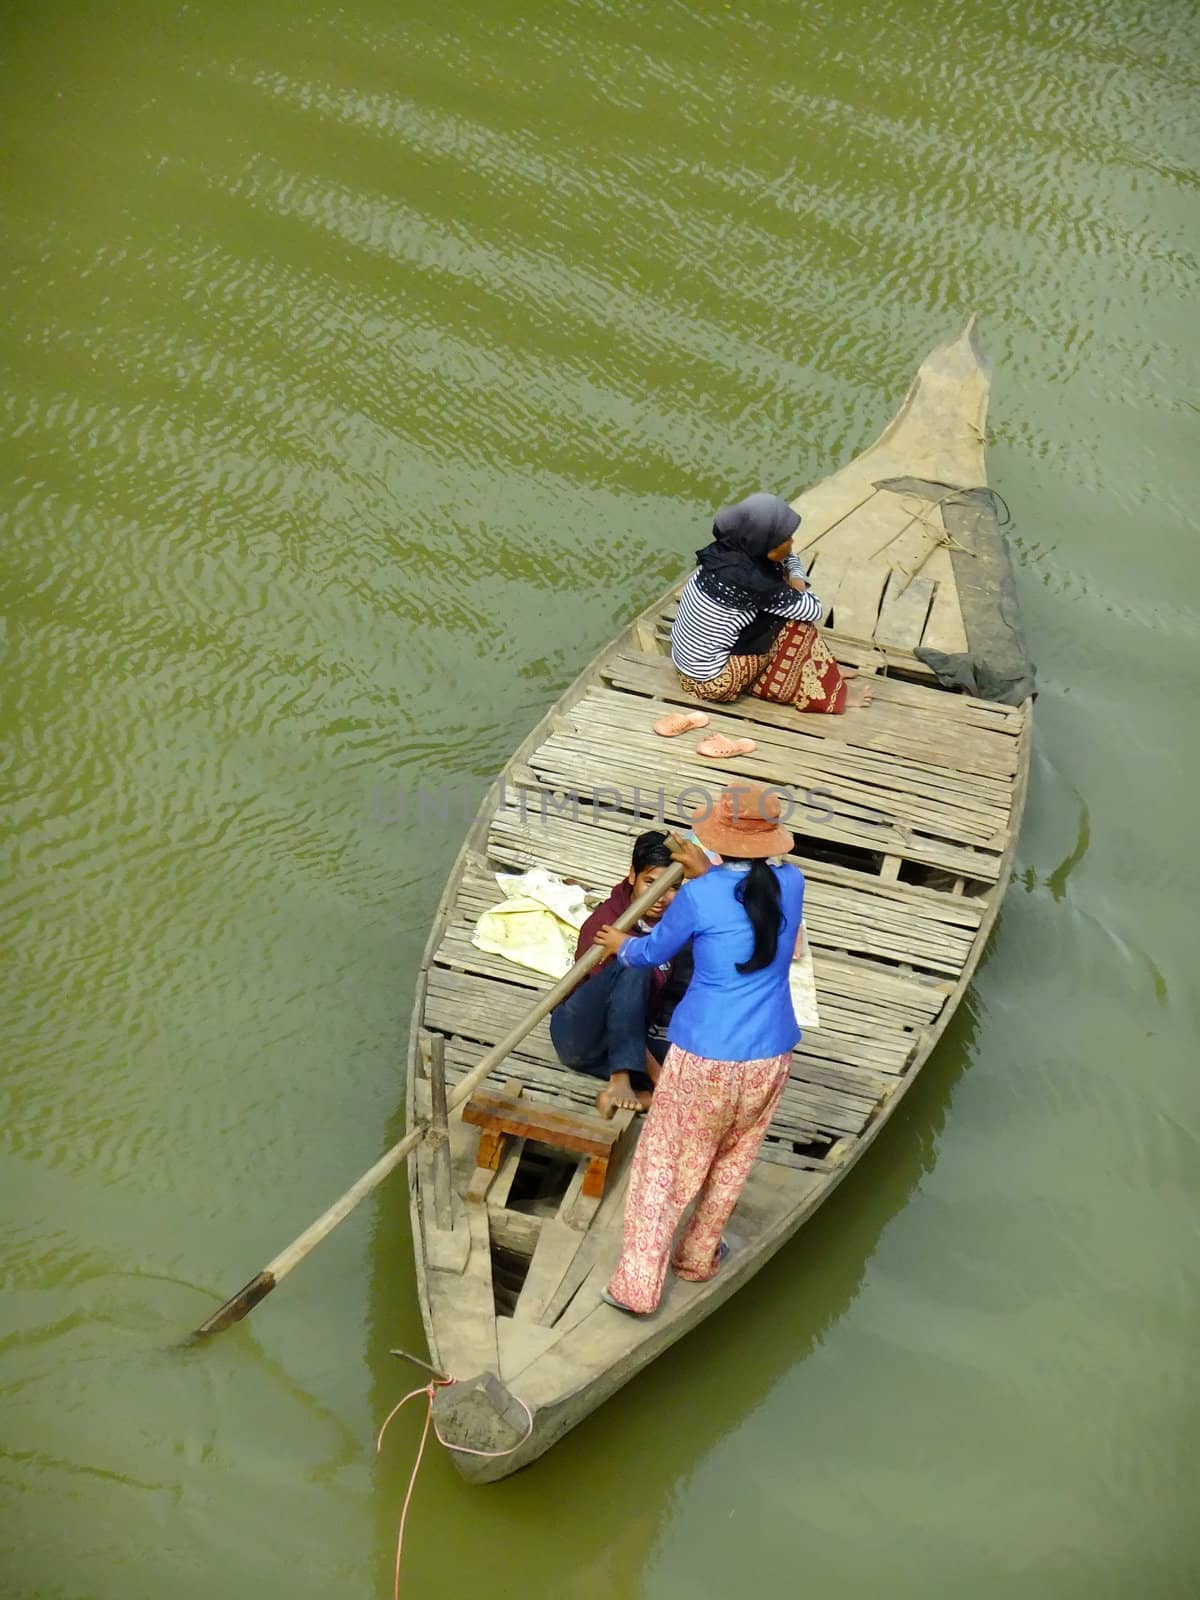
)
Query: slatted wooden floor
[{"x": 919, "y": 786}]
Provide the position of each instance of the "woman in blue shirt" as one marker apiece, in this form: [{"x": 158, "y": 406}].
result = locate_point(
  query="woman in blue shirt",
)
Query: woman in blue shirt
[{"x": 732, "y": 1037}]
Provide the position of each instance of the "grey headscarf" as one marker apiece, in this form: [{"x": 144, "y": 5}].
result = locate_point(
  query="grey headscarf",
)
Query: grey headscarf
[{"x": 734, "y": 569}]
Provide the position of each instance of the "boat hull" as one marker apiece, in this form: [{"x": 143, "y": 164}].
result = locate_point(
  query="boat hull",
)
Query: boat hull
[{"x": 906, "y": 876}]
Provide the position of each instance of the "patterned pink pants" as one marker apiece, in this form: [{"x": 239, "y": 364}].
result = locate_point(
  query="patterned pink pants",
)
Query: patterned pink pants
[{"x": 703, "y": 1131}]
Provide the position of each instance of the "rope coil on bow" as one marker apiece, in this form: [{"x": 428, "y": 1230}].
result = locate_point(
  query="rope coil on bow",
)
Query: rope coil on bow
[{"x": 943, "y": 539}]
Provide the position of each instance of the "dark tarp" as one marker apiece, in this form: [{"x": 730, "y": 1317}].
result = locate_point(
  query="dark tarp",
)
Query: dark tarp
[{"x": 996, "y": 666}]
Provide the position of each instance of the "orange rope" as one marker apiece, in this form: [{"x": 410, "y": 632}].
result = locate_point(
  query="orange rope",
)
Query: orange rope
[{"x": 430, "y": 1390}]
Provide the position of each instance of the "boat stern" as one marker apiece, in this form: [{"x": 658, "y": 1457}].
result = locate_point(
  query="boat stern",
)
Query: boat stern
[{"x": 488, "y": 1431}]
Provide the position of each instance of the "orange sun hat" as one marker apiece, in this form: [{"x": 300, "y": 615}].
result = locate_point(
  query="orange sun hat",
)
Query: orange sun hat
[{"x": 744, "y": 820}]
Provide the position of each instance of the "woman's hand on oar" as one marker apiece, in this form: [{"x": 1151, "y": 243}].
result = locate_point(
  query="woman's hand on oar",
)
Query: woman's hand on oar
[{"x": 689, "y": 855}]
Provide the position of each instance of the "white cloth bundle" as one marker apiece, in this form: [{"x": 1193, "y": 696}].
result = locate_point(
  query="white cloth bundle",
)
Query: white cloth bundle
[{"x": 537, "y": 925}]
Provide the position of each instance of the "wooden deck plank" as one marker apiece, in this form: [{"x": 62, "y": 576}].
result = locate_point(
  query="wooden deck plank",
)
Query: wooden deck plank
[
  {"x": 904, "y": 610},
  {"x": 841, "y": 812},
  {"x": 824, "y": 507},
  {"x": 947, "y": 705},
  {"x": 519, "y": 1342},
  {"x": 556, "y": 1249},
  {"x": 882, "y": 660},
  {"x": 845, "y": 1049},
  {"x": 835, "y": 928},
  {"x": 478, "y": 1008},
  {"x": 946, "y": 711},
  {"x": 796, "y": 768},
  {"x": 861, "y": 590},
  {"x": 937, "y": 712},
  {"x": 908, "y": 551},
  {"x": 857, "y": 1017},
  {"x": 869, "y": 914},
  {"x": 825, "y": 821},
  {"x": 865, "y": 531},
  {"x": 547, "y": 1082},
  {"x": 857, "y": 1081},
  {"x": 465, "y": 1307},
  {"x": 944, "y": 629},
  {"x": 808, "y": 762},
  {"x": 940, "y": 704},
  {"x": 616, "y": 833},
  {"x": 806, "y": 1105},
  {"x": 532, "y": 817},
  {"x": 566, "y": 759},
  {"x": 598, "y": 852},
  {"x": 894, "y": 730},
  {"x": 871, "y": 984}
]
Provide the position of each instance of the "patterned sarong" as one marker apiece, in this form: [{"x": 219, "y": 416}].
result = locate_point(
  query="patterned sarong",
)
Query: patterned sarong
[
  {"x": 801, "y": 672},
  {"x": 737, "y": 675},
  {"x": 706, "y": 1124}
]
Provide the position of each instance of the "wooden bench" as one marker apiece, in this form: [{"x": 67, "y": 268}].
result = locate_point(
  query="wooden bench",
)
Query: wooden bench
[{"x": 499, "y": 1116}]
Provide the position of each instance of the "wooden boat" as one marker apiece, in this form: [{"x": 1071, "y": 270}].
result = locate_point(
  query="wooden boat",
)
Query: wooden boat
[{"x": 906, "y": 849}]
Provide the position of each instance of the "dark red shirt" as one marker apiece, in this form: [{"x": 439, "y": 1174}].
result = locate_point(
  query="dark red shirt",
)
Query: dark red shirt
[
  {"x": 618, "y": 901},
  {"x": 680, "y": 968}
]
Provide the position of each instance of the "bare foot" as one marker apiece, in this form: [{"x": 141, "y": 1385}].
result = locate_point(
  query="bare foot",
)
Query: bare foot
[
  {"x": 858, "y": 695},
  {"x": 618, "y": 1096},
  {"x": 717, "y": 746},
  {"x": 677, "y": 722},
  {"x": 645, "y": 1098}
]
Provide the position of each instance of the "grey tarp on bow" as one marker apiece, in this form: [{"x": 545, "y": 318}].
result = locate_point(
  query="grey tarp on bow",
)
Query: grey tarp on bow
[{"x": 996, "y": 665}]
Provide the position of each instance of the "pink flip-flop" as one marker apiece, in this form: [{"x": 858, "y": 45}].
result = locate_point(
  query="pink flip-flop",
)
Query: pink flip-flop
[
  {"x": 677, "y": 722},
  {"x": 718, "y": 748}
]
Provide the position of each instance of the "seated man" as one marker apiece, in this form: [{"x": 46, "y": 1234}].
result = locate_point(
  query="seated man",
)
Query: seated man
[{"x": 613, "y": 1025}]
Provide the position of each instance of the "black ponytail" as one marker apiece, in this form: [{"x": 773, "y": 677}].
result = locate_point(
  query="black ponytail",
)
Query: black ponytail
[{"x": 758, "y": 892}]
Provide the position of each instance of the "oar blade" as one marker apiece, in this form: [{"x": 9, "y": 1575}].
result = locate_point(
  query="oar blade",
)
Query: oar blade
[{"x": 238, "y": 1305}]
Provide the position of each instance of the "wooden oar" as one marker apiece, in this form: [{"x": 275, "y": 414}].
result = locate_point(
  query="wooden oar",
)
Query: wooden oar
[{"x": 247, "y": 1297}]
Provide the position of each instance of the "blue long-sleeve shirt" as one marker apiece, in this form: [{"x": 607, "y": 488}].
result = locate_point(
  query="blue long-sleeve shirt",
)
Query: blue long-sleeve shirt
[{"x": 726, "y": 1015}]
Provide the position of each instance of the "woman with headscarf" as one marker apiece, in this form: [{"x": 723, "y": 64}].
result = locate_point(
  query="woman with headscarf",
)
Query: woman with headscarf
[{"x": 746, "y": 618}]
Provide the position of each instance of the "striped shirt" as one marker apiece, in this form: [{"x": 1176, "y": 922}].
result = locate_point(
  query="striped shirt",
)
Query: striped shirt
[{"x": 705, "y": 631}]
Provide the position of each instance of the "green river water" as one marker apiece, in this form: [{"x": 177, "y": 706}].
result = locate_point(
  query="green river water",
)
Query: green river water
[{"x": 362, "y": 369}]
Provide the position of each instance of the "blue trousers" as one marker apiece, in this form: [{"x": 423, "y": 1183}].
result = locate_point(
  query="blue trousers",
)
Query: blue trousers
[{"x": 601, "y": 1028}]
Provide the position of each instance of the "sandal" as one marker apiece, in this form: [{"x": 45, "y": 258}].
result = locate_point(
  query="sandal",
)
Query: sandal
[
  {"x": 677, "y": 722},
  {"x": 718, "y": 748},
  {"x": 619, "y": 1305}
]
